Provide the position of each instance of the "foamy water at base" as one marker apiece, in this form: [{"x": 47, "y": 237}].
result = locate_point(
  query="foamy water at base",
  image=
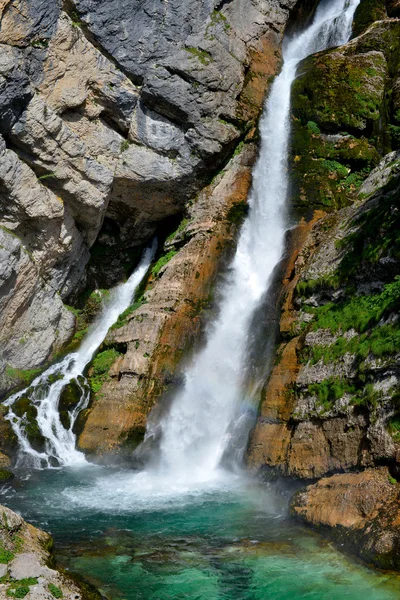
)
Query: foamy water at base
[{"x": 229, "y": 539}]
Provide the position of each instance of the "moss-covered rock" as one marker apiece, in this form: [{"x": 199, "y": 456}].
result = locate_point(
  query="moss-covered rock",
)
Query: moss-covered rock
[
  {"x": 5, "y": 476},
  {"x": 345, "y": 115},
  {"x": 69, "y": 398},
  {"x": 339, "y": 92},
  {"x": 367, "y": 12}
]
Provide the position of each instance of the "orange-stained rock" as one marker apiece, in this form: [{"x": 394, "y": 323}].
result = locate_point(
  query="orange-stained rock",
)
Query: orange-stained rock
[
  {"x": 163, "y": 329},
  {"x": 271, "y": 438},
  {"x": 361, "y": 511}
]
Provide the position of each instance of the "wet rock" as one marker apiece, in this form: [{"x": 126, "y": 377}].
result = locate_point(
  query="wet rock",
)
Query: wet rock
[
  {"x": 164, "y": 326},
  {"x": 360, "y": 511},
  {"x": 28, "y": 554}
]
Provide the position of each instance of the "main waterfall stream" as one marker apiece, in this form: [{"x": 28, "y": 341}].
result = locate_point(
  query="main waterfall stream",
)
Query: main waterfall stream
[{"x": 185, "y": 527}]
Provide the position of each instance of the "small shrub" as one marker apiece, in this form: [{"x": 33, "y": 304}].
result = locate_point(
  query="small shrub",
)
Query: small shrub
[
  {"x": 313, "y": 128},
  {"x": 237, "y": 212},
  {"x": 19, "y": 592},
  {"x": 5, "y": 555},
  {"x": 162, "y": 261},
  {"x": 55, "y": 591}
]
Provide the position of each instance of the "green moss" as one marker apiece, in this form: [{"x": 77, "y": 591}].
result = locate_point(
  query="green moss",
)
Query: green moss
[
  {"x": 367, "y": 12},
  {"x": 124, "y": 145},
  {"x": 339, "y": 92},
  {"x": 162, "y": 261},
  {"x": 55, "y": 591},
  {"x": 202, "y": 56},
  {"x": 325, "y": 173},
  {"x": 100, "y": 367}
]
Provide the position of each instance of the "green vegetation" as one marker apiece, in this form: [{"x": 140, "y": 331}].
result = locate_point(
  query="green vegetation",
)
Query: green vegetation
[
  {"x": 330, "y": 390},
  {"x": 20, "y": 376},
  {"x": 123, "y": 317},
  {"x": 313, "y": 128},
  {"x": 75, "y": 18},
  {"x": 55, "y": 591},
  {"x": 124, "y": 145},
  {"x": 46, "y": 176},
  {"x": 162, "y": 261},
  {"x": 377, "y": 235},
  {"x": 367, "y": 12},
  {"x": 237, "y": 212},
  {"x": 5, "y": 555},
  {"x": 202, "y": 56},
  {"x": 360, "y": 312},
  {"x": 101, "y": 365},
  {"x": 182, "y": 225},
  {"x": 5, "y": 476},
  {"x": 40, "y": 43},
  {"x": 394, "y": 427},
  {"x": 380, "y": 342},
  {"x": 218, "y": 17},
  {"x": 21, "y": 588}
]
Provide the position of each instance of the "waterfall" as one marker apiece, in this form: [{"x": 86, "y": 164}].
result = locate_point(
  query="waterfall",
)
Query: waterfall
[
  {"x": 212, "y": 403},
  {"x": 45, "y": 391},
  {"x": 212, "y": 408}
]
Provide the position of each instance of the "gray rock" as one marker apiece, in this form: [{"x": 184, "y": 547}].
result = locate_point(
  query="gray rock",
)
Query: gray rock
[
  {"x": 387, "y": 169},
  {"x": 25, "y": 565},
  {"x": 3, "y": 570}
]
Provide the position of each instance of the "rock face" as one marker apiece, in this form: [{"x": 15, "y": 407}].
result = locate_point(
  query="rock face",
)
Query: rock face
[
  {"x": 117, "y": 114},
  {"x": 358, "y": 510},
  {"x": 335, "y": 408},
  {"x": 164, "y": 324},
  {"x": 24, "y": 557},
  {"x": 331, "y": 401}
]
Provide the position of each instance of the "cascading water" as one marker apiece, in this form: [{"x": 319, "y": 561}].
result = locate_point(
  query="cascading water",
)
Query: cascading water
[
  {"x": 212, "y": 407},
  {"x": 212, "y": 403},
  {"x": 45, "y": 391}
]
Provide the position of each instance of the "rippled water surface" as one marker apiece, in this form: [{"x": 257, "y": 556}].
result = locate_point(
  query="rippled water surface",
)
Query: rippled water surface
[{"x": 228, "y": 540}]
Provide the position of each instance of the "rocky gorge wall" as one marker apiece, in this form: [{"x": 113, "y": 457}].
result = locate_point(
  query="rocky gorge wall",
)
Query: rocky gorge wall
[
  {"x": 120, "y": 121},
  {"x": 331, "y": 404}
]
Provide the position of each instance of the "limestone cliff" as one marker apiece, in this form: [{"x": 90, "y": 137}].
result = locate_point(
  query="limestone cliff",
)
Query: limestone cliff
[
  {"x": 113, "y": 116},
  {"x": 331, "y": 402}
]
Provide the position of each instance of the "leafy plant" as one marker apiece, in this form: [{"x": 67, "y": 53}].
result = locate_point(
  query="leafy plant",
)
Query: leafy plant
[{"x": 55, "y": 591}]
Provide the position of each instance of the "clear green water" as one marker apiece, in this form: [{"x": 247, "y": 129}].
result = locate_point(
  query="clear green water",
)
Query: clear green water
[{"x": 229, "y": 541}]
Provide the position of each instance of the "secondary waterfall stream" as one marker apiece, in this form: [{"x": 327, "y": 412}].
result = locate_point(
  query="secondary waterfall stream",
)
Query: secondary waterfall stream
[{"x": 45, "y": 391}]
